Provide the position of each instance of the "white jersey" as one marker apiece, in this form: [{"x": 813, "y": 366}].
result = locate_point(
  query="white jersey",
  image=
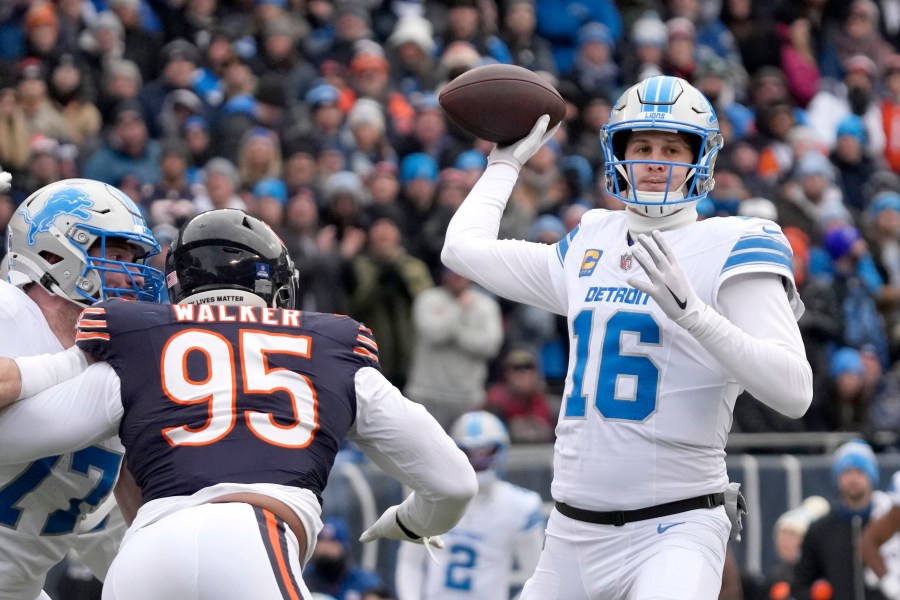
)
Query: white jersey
[
  {"x": 646, "y": 409},
  {"x": 501, "y": 527},
  {"x": 43, "y": 502}
]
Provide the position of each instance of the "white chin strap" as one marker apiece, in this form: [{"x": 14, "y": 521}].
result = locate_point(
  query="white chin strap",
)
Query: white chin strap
[{"x": 225, "y": 298}]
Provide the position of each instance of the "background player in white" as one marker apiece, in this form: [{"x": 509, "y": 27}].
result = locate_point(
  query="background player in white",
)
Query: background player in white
[
  {"x": 502, "y": 527},
  {"x": 232, "y": 502},
  {"x": 70, "y": 244},
  {"x": 667, "y": 328}
]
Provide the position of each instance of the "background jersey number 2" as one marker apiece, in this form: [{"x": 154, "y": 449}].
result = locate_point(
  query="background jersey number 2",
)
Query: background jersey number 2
[
  {"x": 219, "y": 389},
  {"x": 627, "y": 383}
]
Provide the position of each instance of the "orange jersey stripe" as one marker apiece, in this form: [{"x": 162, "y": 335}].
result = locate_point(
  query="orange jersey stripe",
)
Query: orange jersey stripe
[
  {"x": 91, "y": 335},
  {"x": 366, "y": 353}
]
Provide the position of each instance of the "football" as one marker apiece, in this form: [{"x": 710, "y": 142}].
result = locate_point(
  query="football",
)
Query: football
[{"x": 500, "y": 103}]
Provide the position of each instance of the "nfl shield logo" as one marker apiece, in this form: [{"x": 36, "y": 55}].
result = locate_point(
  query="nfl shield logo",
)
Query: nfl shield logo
[{"x": 625, "y": 262}]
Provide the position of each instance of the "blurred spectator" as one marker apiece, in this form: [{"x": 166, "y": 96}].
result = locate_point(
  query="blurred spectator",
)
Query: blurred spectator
[
  {"x": 890, "y": 111},
  {"x": 171, "y": 199},
  {"x": 127, "y": 149},
  {"x": 270, "y": 198},
  {"x": 43, "y": 165},
  {"x": 366, "y": 142},
  {"x": 717, "y": 83},
  {"x": 830, "y": 547},
  {"x": 850, "y": 397},
  {"x": 429, "y": 133},
  {"x": 102, "y": 44},
  {"x": 883, "y": 235},
  {"x": 387, "y": 281},
  {"x": 370, "y": 78},
  {"x": 811, "y": 196},
  {"x": 649, "y": 38},
  {"x": 413, "y": 65},
  {"x": 854, "y": 162},
  {"x": 14, "y": 132},
  {"x": 40, "y": 115},
  {"x": 331, "y": 569},
  {"x": 179, "y": 59},
  {"x": 519, "y": 400},
  {"x": 383, "y": 185},
  {"x": 776, "y": 124},
  {"x": 527, "y": 48},
  {"x": 424, "y": 221},
  {"x": 259, "y": 156},
  {"x": 858, "y": 33},
  {"x": 195, "y": 133},
  {"x": 680, "y": 59},
  {"x": 120, "y": 80},
  {"x": 67, "y": 91},
  {"x": 458, "y": 330},
  {"x": 142, "y": 46},
  {"x": 858, "y": 285},
  {"x": 467, "y": 21},
  {"x": 280, "y": 57},
  {"x": 164, "y": 235},
  {"x": 326, "y": 115},
  {"x": 754, "y": 32},
  {"x": 594, "y": 69},
  {"x": 178, "y": 106},
  {"x": 559, "y": 21},
  {"x": 42, "y": 31},
  {"x": 220, "y": 186},
  {"x": 855, "y": 94},
  {"x": 787, "y": 537}
]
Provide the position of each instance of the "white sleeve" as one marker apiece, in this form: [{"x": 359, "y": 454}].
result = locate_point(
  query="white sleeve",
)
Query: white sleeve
[
  {"x": 755, "y": 336},
  {"x": 409, "y": 577},
  {"x": 530, "y": 540},
  {"x": 69, "y": 416},
  {"x": 514, "y": 269},
  {"x": 408, "y": 444}
]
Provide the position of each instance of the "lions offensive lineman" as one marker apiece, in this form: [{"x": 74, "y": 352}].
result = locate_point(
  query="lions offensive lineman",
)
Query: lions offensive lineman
[
  {"x": 70, "y": 244},
  {"x": 503, "y": 525},
  {"x": 232, "y": 406},
  {"x": 670, "y": 318}
]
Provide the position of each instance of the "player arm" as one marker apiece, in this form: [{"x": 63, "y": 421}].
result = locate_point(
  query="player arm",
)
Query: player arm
[
  {"x": 406, "y": 442},
  {"x": 514, "y": 269},
  {"x": 409, "y": 578},
  {"x": 754, "y": 335},
  {"x": 875, "y": 534},
  {"x": 25, "y": 376},
  {"x": 72, "y": 415},
  {"x": 530, "y": 541}
]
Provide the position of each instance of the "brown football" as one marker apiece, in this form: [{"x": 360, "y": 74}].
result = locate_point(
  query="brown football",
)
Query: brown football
[{"x": 500, "y": 103}]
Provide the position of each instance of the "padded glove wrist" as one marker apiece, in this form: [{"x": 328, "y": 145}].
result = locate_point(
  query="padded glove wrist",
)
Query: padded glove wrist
[{"x": 389, "y": 527}]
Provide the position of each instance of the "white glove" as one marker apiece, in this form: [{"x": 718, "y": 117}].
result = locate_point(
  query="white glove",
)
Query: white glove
[
  {"x": 668, "y": 285},
  {"x": 388, "y": 526},
  {"x": 519, "y": 153},
  {"x": 890, "y": 586},
  {"x": 5, "y": 181}
]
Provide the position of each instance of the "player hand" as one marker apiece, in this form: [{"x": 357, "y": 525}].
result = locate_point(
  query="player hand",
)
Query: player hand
[
  {"x": 519, "y": 153},
  {"x": 890, "y": 586},
  {"x": 5, "y": 181},
  {"x": 388, "y": 527},
  {"x": 668, "y": 285}
]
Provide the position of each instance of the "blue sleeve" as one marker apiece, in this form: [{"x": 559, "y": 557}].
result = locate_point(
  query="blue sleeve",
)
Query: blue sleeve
[{"x": 869, "y": 274}]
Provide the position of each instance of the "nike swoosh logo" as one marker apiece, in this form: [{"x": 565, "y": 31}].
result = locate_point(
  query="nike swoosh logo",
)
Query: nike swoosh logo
[
  {"x": 767, "y": 230},
  {"x": 664, "y": 528},
  {"x": 682, "y": 304}
]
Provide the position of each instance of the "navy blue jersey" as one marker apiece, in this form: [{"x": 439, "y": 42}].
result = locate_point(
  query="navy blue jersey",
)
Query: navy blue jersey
[{"x": 229, "y": 394}]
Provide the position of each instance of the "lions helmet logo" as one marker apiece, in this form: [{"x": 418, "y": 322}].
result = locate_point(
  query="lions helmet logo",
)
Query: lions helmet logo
[{"x": 67, "y": 201}]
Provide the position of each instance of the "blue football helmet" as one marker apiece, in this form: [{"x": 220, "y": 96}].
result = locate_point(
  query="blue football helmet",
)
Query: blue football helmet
[
  {"x": 53, "y": 230},
  {"x": 669, "y": 104},
  {"x": 484, "y": 439}
]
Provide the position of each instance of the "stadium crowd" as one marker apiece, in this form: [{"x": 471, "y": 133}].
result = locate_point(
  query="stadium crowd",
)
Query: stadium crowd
[{"x": 322, "y": 118}]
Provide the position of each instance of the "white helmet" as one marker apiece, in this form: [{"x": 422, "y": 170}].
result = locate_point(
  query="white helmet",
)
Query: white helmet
[
  {"x": 670, "y": 104},
  {"x": 50, "y": 234},
  {"x": 483, "y": 437}
]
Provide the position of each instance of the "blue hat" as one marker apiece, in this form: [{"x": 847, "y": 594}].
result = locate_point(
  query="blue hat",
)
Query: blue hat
[
  {"x": 471, "y": 159},
  {"x": 272, "y": 188},
  {"x": 336, "y": 529},
  {"x": 196, "y": 121},
  {"x": 547, "y": 224},
  {"x": 886, "y": 200},
  {"x": 324, "y": 93},
  {"x": 815, "y": 163},
  {"x": 838, "y": 240},
  {"x": 595, "y": 32},
  {"x": 846, "y": 360},
  {"x": 418, "y": 166},
  {"x": 853, "y": 125},
  {"x": 855, "y": 454}
]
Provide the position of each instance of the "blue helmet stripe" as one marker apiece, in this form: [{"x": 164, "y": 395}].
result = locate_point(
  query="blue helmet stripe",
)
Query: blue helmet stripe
[{"x": 473, "y": 427}]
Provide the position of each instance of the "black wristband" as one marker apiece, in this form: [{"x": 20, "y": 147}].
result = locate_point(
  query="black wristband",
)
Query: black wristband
[{"x": 406, "y": 530}]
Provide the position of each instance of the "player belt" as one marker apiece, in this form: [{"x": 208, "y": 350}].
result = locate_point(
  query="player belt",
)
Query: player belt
[{"x": 620, "y": 517}]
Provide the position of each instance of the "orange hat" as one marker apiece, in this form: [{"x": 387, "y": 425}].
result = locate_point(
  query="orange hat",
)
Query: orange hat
[
  {"x": 365, "y": 61},
  {"x": 41, "y": 14}
]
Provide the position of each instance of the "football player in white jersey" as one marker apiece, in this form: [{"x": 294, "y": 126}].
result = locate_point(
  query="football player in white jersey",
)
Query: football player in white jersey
[
  {"x": 503, "y": 526},
  {"x": 70, "y": 244},
  {"x": 670, "y": 318}
]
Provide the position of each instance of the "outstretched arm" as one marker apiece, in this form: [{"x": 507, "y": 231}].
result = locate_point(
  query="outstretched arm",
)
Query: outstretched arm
[{"x": 25, "y": 376}]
